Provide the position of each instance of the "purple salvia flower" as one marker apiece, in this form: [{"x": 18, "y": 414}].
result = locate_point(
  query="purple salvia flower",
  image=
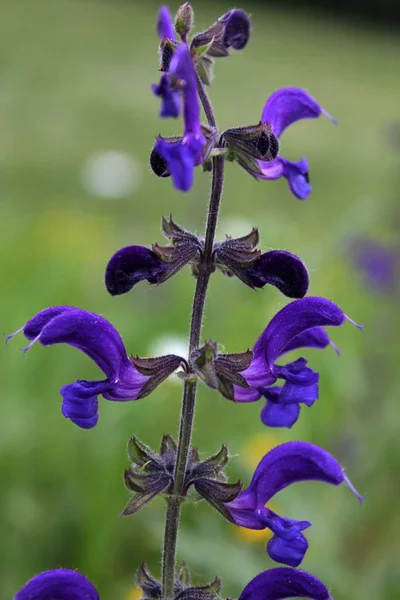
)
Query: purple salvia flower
[
  {"x": 98, "y": 339},
  {"x": 237, "y": 29},
  {"x": 284, "y": 107},
  {"x": 130, "y": 265},
  {"x": 298, "y": 325},
  {"x": 282, "y": 583},
  {"x": 165, "y": 26},
  {"x": 58, "y": 584},
  {"x": 282, "y": 466},
  {"x": 282, "y": 269},
  {"x": 182, "y": 155}
]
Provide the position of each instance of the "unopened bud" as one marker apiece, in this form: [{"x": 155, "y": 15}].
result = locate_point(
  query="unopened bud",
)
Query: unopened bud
[{"x": 184, "y": 20}]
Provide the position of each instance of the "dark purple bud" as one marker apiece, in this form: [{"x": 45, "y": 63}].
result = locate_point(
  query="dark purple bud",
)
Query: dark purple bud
[
  {"x": 158, "y": 164},
  {"x": 282, "y": 583},
  {"x": 58, "y": 584},
  {"x": 237, "y": 29},
  {"x": 281, "y": 269},
  {"x": 130, "y": 265}
]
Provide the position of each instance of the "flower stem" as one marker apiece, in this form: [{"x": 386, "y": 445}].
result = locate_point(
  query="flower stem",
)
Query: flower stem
[{"x": 190, "y": 387}]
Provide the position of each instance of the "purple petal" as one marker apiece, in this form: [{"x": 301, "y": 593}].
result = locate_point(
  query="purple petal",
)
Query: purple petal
[
  {"x": 293, "y": 320},
  {"x": 165, "y": 26},
  {"x": 35, "y": 325},
  {"x": 170, "y": 96},
  {"x": 237, "y": 29},
  {"x": 277, "y": 414},
  {"x": 181, "y": 159},
  {"x": 288, "y": 545},
  {"x": 282, "y": 583},
  {"x": 92, "y": 334},
  {"x": 80, "y": 402},
  {"x": 241, "y": 394},
  {"x": 59, "y": 584},
  {"x": 295, "y": 172},
  {"x": 281, "y": 269},
  {"x": 288, "y": 105},
  {"x": 182, "y": 67},
  {"x": 316, "y": 337},
  {"x": 287, "y": 464},
  {"x": 130, "y": 265}
]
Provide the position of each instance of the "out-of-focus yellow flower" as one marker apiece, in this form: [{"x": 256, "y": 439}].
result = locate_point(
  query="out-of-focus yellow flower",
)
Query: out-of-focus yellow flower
[
  {"x": 71, "y": 233},
  {"x": 253, "y": 535},
  {"x": 256, "y": 447},
  {"x": 134, "y": 593}
]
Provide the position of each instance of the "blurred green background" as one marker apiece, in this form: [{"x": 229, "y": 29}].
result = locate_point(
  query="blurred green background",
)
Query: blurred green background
[{"x": 77, "y": 122}]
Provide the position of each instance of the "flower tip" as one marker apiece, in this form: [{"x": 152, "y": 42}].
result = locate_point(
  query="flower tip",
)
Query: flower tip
[
  {"x": 360, "y": 327},
  {"x": 336, "y": 349},
  {"x": 334, "y": 121},
  {"x": 11, "y": 335},
  {"x": 359, "y": 497}
]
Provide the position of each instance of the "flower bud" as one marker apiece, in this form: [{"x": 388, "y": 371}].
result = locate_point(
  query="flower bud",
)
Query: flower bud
[{"x": 184, "y": 20}]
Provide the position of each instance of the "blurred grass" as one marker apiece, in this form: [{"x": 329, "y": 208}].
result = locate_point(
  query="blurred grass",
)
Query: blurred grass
[{"x": 75, "y": 78}]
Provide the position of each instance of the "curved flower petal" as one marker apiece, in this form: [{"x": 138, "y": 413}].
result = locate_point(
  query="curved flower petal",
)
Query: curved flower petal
[
  {"x": 130, "y": 265},
  {"x": 92, "y": 334},
  {"x": 293, "y": 320},
  {"x": 281, "y": 269},
  {"x": 165, "y": 26},
  {"x": 34, "y": 326},
  {"x": 288, "y": 105},
  {"x": 282, "y": 583},
  {"x": 237, "y": 29},
  {"x": 58, "y": 584},
  {"x": 295, "y": 172},
  {"x": 287, "y": 464}
]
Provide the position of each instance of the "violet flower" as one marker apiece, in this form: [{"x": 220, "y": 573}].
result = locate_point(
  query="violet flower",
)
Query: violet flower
[
  {"x": 58, "y": 584},
  {"x": 99, "y": 340},
  {"x": 298, "y": 325},
  {"x": 283, "y": 582},
  {"x": 282, "y": 466},
  {"x": 181, "y": 154},
  {"x": 284, "y": 107},
  {"x": 130, "y": 265}
]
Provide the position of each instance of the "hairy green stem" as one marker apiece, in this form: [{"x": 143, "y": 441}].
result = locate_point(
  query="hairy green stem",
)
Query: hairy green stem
[{"x": 190, "y": 387}]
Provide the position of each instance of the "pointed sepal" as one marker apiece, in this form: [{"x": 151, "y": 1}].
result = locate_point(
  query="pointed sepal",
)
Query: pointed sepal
[{"x": 150, "y": 586}]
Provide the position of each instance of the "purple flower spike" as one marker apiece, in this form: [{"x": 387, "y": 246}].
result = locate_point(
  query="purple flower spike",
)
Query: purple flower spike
[
  {"x": 282, "y": 583},
  {"x": 284, "y": 107},
  {"x": 59, "y": 584},
  {"x": 130, "y": 265},
  {"x": 300, "y": 324},
  {"x": 98, "y": 339},
  {"x": 165, "y": 26},
  {"x": 281, "y": 269},
  {"x": 284, "y": 465}
]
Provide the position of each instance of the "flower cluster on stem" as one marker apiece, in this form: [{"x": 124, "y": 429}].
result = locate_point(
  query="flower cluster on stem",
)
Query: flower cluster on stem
[{"x": 176, "y": 470}]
